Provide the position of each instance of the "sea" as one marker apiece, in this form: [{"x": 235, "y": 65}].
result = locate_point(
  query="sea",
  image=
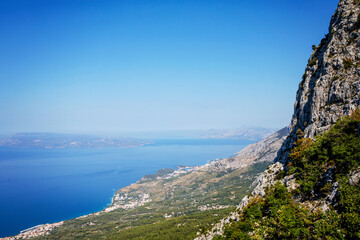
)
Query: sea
[{"x": 39, "y": 186}]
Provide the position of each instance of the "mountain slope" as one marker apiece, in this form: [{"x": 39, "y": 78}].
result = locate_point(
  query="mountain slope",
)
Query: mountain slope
[
  {"x": 248, "y": 133},
  {"x": 330, "y": 85},
  {"x": 173, "y": 204},
  {"x": 329, "y": 90},
  {"x": 318, "y": 198}
]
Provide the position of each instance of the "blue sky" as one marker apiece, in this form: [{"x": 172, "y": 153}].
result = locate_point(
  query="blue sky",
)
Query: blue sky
[{"x": 101, "y": 66}]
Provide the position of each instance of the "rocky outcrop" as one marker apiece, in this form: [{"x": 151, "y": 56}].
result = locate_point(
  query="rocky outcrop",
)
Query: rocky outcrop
[
  {"x": 330, "y": 86},
  {"x": 266, "y": 179},
  {"x": 262, "y": 151},
  {"x": 330, "y": 89}
]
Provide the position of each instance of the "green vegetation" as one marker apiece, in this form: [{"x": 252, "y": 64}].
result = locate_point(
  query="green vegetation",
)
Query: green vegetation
[
  {"x": 159, "y": 173},
  {"x": 317, "y": 165},
  {"x": 336, "y": 150},
  {"x": 277, "y": 216},
  {"x": 141, "y": 224},
  {"x": 184, "y": 227},
  {"x": 312, "y": 62},
  {"x": 299, "y": 133},
  {"x": 174, "y": 211}
]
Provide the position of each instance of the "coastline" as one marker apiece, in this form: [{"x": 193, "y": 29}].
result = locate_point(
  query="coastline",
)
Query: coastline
[
  {"x": 113, "y": 204},
  {"x": 36, "y": 231},
  {"x": 45, "y": 229}
]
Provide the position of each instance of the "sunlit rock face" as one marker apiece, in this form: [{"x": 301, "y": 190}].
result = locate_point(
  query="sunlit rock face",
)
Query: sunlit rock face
[
  {"x": 330, "y": 85},
  {"x": 329, "y": 89}
]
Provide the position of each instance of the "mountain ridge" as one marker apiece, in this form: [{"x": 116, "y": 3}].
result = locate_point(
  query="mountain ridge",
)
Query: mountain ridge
[
  {"x": 329, "y": 90},
  {"x": 330, "y": 85}
]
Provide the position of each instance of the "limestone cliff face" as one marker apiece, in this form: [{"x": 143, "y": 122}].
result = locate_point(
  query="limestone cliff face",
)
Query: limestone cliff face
[
  {"x": 331, "y": 85},
  {"x": 262, "y": 151},
  {"x": 330, "y": 89}
]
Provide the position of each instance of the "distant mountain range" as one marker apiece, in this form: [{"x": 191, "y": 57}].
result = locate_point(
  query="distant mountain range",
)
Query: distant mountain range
[
  {"x": 58, "y": 140},
  {"x": 246, "y": 133},
  {"x": 55, "y": 140}
]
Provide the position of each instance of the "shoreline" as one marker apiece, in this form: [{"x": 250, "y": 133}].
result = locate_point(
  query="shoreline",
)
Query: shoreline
[
  {"x": 113, "y": 204},
  {"x": 46, "y": 228}
]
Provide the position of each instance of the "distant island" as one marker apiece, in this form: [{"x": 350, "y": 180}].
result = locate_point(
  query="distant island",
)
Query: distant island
[{"x": 56, "y": 140}]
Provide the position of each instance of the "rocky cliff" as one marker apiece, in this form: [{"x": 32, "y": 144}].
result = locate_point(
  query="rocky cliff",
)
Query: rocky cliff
[
  {"x": 330, "y": 86},
  {"x": 328, "y": 91},
  {"x": 262, "y": 151}
]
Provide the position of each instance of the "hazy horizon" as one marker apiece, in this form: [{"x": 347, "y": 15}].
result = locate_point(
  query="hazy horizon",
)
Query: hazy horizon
[
  {"x": 124, "y": 66},
  {"x": 150, "y": 134}
]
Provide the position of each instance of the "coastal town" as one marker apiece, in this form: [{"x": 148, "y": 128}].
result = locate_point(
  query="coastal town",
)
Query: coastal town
[
  {"x": 36, "y": 231},
  {"x": 120, "y": 200}
]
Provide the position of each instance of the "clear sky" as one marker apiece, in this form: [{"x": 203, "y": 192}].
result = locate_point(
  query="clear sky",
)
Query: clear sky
[{"x": 87, "y": 66}]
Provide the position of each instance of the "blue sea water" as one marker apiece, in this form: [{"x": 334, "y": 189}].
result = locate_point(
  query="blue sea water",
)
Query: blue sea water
[{"x": 40, "y": 186}]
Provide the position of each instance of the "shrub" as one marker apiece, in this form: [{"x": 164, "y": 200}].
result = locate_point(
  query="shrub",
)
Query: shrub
[
  {"x": 299, "y": 133},
  {"x": 312, "y": 61},
  {"x": 337, "y": 149},
  {"x": 356, "y": 114},
  {"x": 279, "y": 217},
  {"x": 298, "y": 153}
]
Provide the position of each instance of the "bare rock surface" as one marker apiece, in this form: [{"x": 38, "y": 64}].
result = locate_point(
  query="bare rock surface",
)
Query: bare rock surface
[
  {"x": 330, "y": 86},
  {"x": 330, "y": 89},
  {"x": 262, "y": 151}
]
